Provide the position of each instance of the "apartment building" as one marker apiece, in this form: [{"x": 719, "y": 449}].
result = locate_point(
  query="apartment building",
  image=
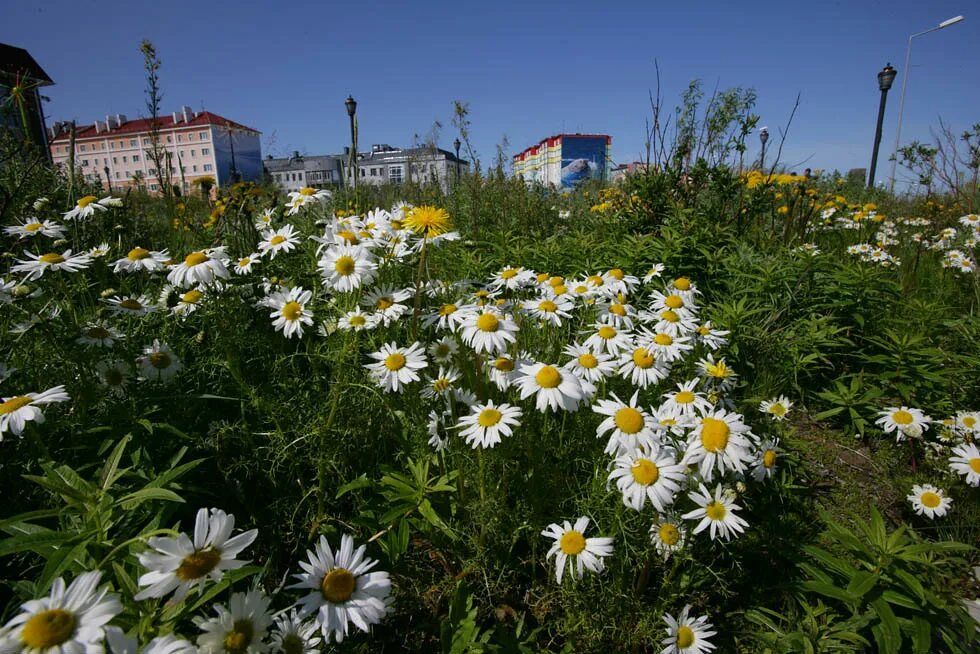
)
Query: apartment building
[
  {"x": 385, "y": 164},
  {"x": 295, "y": 172},
  {"x": 116, "y": 151},
  {"x": 18, "y": 67},
  {"x": 565, "y": 160}
]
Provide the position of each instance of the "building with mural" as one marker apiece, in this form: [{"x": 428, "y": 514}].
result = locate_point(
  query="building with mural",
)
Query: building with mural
[{"x": 566, "y": 160}]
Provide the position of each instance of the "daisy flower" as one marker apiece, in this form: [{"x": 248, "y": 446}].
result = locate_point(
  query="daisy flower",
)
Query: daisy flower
[
  {"x": 141, "y": 259},
  {"x": 131, "y": 305},
  {"x": 686, "y": 401},
  {"x": 356, "y": 321},
  {"x": 346, "y": 267},
  {"x": 343, "y": 590},
  {"x": 289, "y": 312},
  {"x": 664, "y": 346},
  {"x": 88, "y": 206},
  {"x": 33, "y": 227},
  {"x": 904, "y": 421},
  {"x": 718, "y": 513},
  {"x": 158, "y": 362},
  {"x": 648, "y": 474},
  {"x": 765, "y": 465},
  {"x": 587, "y": 364},
  {"x": 69, "y": 620},
  {"x": 438, "y": 440},
  {"x": 777, "y": 408},
  {"x": 264, "y": 220},
  {"x": 929, "y": 501},
  {"x": 503, "y": 371},
  {"x": 630, "y": 425},
  {"x": 17, "y": 410},
  {"x": 711, "y": 337},
  {"x": 238, "y": 629},
  {"x": 442, "y": 384},
  {"x": 99, "y": 251},
  {"x": 673, "y": 300},
  {"x": 177, "y": 565},
  {"x": 642, "y": 367},
  {"x": 618, "y": 281},
  {"x": 443, "y": 350},
  {"x": 199, "y": 268},
  {"x": 244, "y": 265},
  {"x": 489, "y": 331},
  {"x": 449, "y": 316},
  {"x": 387, "y": 303},
  {"x": 668, "y": 535},
  {"x": 720, "y": 441},
  {"x": 99, "y": 334},
  {"x": 687, "y": 635},
  {"x": 966, "y": 461},
  {"x": 655, "y": 271},
  {"x": 554, "y": 388},
  {"x": 487, "y": 423},
  {"x": 284, "y": 239},
  {"x": 572, "y": 547},
  {"x": 303, "y": 197},
  {"x": 511, "y": 278},
  {"x": 294, "y": 635},
  {"x": 37, "y": 264},
  {"x": 188, "y": 302},
  {"x": 120, "y": 643},
  {"x": 396, "y": 367},
  {"x": 717, "y": 372},
  {"x": 113, "y": 376},
  {"x": 674, "y": 323},
  {"x": 548, "y": 310},
  {"x": 608, "y": 339}
]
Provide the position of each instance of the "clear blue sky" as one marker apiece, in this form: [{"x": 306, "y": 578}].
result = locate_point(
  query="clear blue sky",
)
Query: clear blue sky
[{"x": 527, "y": 69}]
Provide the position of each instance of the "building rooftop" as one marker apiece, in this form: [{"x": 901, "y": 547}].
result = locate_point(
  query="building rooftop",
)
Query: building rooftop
[
  {"x": 167, "y": 121},
  {"x": 298, "y": 161},
  {"x": 18, "y": 61},
  {"x": 386, "y": 152}
]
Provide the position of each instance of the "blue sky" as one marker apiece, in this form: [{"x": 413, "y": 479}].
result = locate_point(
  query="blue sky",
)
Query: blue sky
[{"x": 527, "y": 69}]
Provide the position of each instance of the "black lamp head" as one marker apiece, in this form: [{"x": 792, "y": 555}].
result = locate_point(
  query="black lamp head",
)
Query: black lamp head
[
  {"x": 886, "y": 77},
  {"x": 351, "y": 106}
]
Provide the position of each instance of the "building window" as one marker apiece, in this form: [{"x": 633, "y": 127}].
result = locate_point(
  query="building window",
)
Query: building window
[
  {"x": 170, "y": 139},
  {"x": 117, "y": 174},
  {"x": 125, "y": 159},
  {"x": 180, "y": 138},
  {"x": 84, "y": 162},
  {"x": 203, "y": 136},
  {"x": 115, "y": 160},
  {"x": 153, "y": 187},
  {"x": 146, "y": 141},
  {"x": 205, "y": 151},
  {"x": 193, "y": 153},
  {"x": 301, "y": 176},
  {"x": 395, "y": 174},
  {"x": 81, "y": 148},
  {"x": 136, "y": 158},
  {"x": 132, "y": 143},
  {"x": 207, "y": 168},
  {"x": 193, "y": 169},
  {"x": 190, "y": 137}
]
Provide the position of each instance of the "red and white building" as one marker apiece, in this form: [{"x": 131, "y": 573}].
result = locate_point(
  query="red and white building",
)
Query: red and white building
[{"x": 200, "y": 144}]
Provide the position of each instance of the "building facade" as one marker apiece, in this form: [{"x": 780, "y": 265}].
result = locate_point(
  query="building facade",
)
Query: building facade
[
  {"x": 18, "y": 69},
  {"x": 295, "y": 172},
  {"x": 200, "y": 144},
  {"x": 387, "y": 165},
  {"x": 566, "y": 160}
]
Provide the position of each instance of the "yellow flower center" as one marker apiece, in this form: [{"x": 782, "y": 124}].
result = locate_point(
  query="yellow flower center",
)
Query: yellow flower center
[
  {"x": 588, "y": 360},
  {"x": 682, "y": 284},
  {"x": 617, "y": 309},
  {"x": 395, "y": 361},
  {"x": 580, "y": 289},
  {"x": 669, "y": 316},
  {"x": 617, "y": 273},
  {"x": 97, "y": 332},
  {"x": 930, "y": 499},
  {"x": 642, "y": 358},
  {"x": 543, "y": 277},
  {"x": 902, "y": 417},
  {"x": 572, "y": 542},
  {"x": 52, "y": 258},
  {"x": 645, "y": 472},
  {"x": 703, "y": 331},
  {"x": 85, "y": 201},
  {"x": 769, "y": 458},
  {"x": 338, "y": 585},
  {"x": 674, "y": 302},
  {"x": 240, "y": 637},
  {"x": 685, "y": 636},
  {"x": 595, "y": 280},
  {"x": 348, "y": 236},
  {"x": 969, "y": 422},
  {"x": 669, "y": 534},
  {"x": 396, "y": 225},
  {"x": 548, "y": 377},
  {"x": 277, "y": 239},
  {"x": 160, "y": 360},
  {"x": 778, "y": 409},
  {"x": 716, "y": 511},
  {"x": 198, "y": 563},
  {"x": 684, "y": 397},
  {"x": 131, "y": 304},
  {"x": 447, "y": 309},
  {"x": 293, "y": 644},
  {"x": 504, "y": 364},
  {"x": 244, "y": 262},
  {"x": 191, "y": 297},
  {"x": 714, "y": 434},
  {"x": 547, "y": 306},
  {"x": 357, "y": 321},
  {"x": 628, "y": 420},
  {"x": 13, "y": 404},
  {"x": 663, "y": 339},
  {"x": 138, "y": 253},
  {"x": 974, "y": 462},
  {"x": 509, "y": 273},
  {"x": 487, "y": 322},
  {"x": 306, "y": 190},
  {"x": 606, "y": 332},
  {"x": 561, "y": 289},
  {"x": 33, "y": 227},
  {"x": 48, "y": 628},
  {"x": 489, "y": 417},
  {"x": 345, "y": 265},
  {"x": 195, "y": 259},
  {"x": 556, "y": 281},
  {"x": 384, "y": 303},
  {"x": 441, "y": 385},
  {"x": 292, "y": 310}
]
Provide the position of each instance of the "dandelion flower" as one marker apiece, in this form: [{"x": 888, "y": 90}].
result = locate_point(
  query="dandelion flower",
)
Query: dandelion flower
[
  {"x": 17, "y": 410},
  {"x": 428, "y": 221},
  {"x": 343, "y": 590},
  {"x": 238, "y": 629},
  {"x": 571, "y": 547},
  {"x": 486, "y": 423},
  {"x": 929, "y": 501},
  {"x": 966, "y": 461},
  {"x": 177, "y": 565},
  {"x": 158, "y": 362},
  {"x": 395, "y": 366},
  {"x": 716, "y": 513},
  {"x": 687, "y": 635}
]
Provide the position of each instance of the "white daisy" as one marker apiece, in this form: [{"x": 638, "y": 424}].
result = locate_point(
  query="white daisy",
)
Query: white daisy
[
  {"x": 98, "y": 251},
  {"x": 188, "y": 302},
  {"x": 664, "y": 346},
  {"x": 966, "y": 461},
  {"x": 239, "y": 629},
  {"x": 200, "y": 268},
  {"x": 711, "y": 337},
  {"x": 777, "y": 408},
  {"x": 284, "y": 239},
  {"x": 17, "y": 410},
  {"x": 642, "y": 367},
  {"x": 120, "y": 643},
  {"x": 294, "y": 635},
  {"x": 554, "y": 388},
  {"x": 141, "y": 259},
  {"x": 442, "y": 384},
  {"x": 449, "y": 316},
  {"x": 37, "y": 264},
  {"x": 88, "y": 206},
  {"x": 904, "y": 421},
  {"x": 673, "y": 323},
  {"x": 572, "y": 547},
  {"x": 511, "y": 278},
  {"x": 69, "y": 620},
  {"x": 443, "y": 350},
  {"x": 438, "y": 439},
  {"x": 608, "y": 339},
  {"x": 343, "y": 589},
  {"x": 717, "y": 373},
  {"x": 99, "y": 334},
  {"x": 648, "y": 474},
  {"x": 929, "y": 501},
  {"x": 486, "y": 423},
  {"x": 765, "y": 463},
  {"x": 653, "y": 272},
  {"x": 158, "y": 362},
  {"x": 720, "y": 441},
  {"x": 718, "y": 513},
  {"x": 687, "y": 635},
  {"x": 548, "y": 310},
  {"x": 34, "y": 227},
  {"x": 177, "y": 565},
  {"x": 395, "y": 366},
  {"x": 113, "y": 376},
  {"x": 588, "y": 365},
  {"x": 244, "y": 265},
  {"x": 629, "y": 425},
  {"x": 289, "y": 312},
  {"x": 356, "y": 321},
  {"x": 345, "y": 267},
  {"x": 489, "y": 331},
  {"x": 263, "y": 221},
  {"x": 387, "y": 303},
  {"x": 668, "y": 535},
  {"x": 131, "y": 305}
]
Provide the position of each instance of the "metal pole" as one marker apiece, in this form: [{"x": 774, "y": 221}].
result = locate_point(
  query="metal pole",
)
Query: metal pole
[
  {"x": 353, "y": 153},
  {"x": 901, "y": 108},
  {"x": 108, "y": 180},
  {"x": 874, "y": 152}
]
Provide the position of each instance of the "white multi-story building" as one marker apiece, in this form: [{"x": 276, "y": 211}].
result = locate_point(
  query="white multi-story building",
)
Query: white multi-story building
[
  {"x": 385, "y": 164},
  {"x": 200, "y": 144},
  {"x": 295, "y": 172}
]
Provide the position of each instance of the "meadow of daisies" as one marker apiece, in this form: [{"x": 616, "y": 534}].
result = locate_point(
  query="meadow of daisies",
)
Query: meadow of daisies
[{"x": 734, "y": 417}]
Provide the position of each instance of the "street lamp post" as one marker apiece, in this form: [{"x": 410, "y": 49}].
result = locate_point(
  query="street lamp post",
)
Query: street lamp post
[
  {"x": 885, "y": 79},
  {"x": 763, "y": 137},
  {"x": 905, "y": 81},
  {"x": 108, "y": 180},
  {"x": 352, "y": 164},
  {"x": 456, "y": 145}
]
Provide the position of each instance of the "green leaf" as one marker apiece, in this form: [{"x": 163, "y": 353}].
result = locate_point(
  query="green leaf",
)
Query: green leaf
[
  {"x": 831, "y": 591},
  {"x": 361, "y": 482},
  {"x": 921, "y": 634},
  {"x": 425, "y": 508},
  {"x": 830, "y": 561},
  {"x": 861, "y": 583},
  {"x": 888, "y": 633},
  {"x": 898, "y": 599},
  {"x": 134, "y": 499},
  {"x": 108, "y": 476},
  {"x": 36, "y": 542}
]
